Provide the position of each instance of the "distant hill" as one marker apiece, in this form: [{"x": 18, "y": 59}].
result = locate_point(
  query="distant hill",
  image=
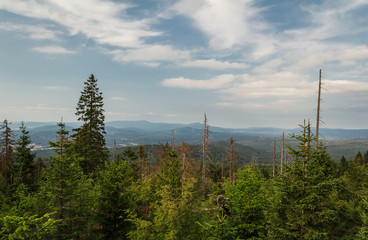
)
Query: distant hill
[{"x": 133, "y": 133}]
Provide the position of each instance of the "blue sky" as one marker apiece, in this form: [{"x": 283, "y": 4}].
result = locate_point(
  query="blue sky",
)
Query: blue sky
[{"x": 245, "y": 63}]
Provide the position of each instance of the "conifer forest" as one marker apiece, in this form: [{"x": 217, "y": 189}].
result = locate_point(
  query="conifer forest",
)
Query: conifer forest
[{"x": 83, "y": 192}]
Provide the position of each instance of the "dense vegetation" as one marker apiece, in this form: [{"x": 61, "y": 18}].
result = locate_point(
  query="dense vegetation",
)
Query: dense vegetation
[{"x": 81, "y": 194}]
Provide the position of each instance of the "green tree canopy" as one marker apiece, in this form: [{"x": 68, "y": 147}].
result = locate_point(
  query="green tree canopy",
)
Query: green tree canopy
[
  {"x": 23, "y": 158},
  {"x": 89, "y": 140}
]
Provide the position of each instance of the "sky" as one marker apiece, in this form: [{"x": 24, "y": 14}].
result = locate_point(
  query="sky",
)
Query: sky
[{"x": 245, "y": 63}]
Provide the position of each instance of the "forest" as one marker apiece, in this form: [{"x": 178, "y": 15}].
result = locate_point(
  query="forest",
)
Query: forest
[{"x": 85, "y": 193}]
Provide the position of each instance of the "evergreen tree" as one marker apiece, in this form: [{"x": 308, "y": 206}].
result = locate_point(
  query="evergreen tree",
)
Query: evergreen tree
[
  {"x": 6, "y": 153},
  {"x": 247, "y": 202},
  {"x": 359, "y": 160},
  {"x": 64, "y": 189},
  {"x": 306, "y": 202},
  {"x": 343, "y": 165},
  {"x": 170, "y": 174},
  {"x": 89, "y": 141},
  {"x": 131, "y": 159},
  {"x": 143, "y": 161},
  {"x": 175, "y": 211},
  {"x": 113, "y": 200},
  {"x": 24, "y": 159},
  {"x": 63, "y": 145}
]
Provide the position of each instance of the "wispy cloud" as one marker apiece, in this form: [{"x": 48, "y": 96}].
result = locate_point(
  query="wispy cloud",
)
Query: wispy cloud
[
  {"x": 36, "y": 32},
  {"x": 214, "y": 83},
  {"x": 53, "y": 50},
  {"x": 214, "y": 64},
  {"x": 227, "y": 23},
  {"x": 89, "y": 18},
  {"x": 151, "y": 53},
  {"x": 344, "y": 86},
  {"x": 46, "y": 108}
]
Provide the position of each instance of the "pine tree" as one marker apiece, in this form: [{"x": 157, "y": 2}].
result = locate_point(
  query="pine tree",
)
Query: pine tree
[
  {"x": 131, "y": 158},
  {"x": 6, "y": 153},
  {"x": 307, "y": 202},
  {"x": 24, "y": 159},
  {"x": 247, "y": 202},
  {"x": 113, "y": 200},
  {"x": 65, "y": 190},
  {"x": 63, "y": 145},
  {"x": 89, "y": 141}
]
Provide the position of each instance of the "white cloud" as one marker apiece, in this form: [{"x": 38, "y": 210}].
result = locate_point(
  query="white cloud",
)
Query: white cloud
[
  {"x": 344, "y": 86},
  {"x": 269, "y": 67},
  {"x": 46, "y": 108},
  {"x": 53, "y": 50},
  {"x": 214, "y": 64},
  {"x": 218, "y": 82},
  {"x": 276, "y": 85},
  {"x": 147, "y": 55},
  {"x": 227, "y": 23},
  {"x": 34, "y": 32},
  {"x": 103, "y": 21}
]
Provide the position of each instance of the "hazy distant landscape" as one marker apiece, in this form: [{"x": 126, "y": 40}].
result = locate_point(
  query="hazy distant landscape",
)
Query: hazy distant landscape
[{"x": 340, "y": 142}]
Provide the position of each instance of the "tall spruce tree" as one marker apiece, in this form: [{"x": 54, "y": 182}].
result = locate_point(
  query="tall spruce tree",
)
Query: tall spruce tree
[
  {"x": 307, "y": 203},
  {"x": 6, "y": 153},
  {"x": 89, "y": 140},
  {"x": 23, "y": 159}
]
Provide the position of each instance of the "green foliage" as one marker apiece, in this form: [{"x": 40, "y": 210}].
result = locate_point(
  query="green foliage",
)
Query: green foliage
[
  {"x": 306, "y": 204},
  {"x": 89, "y": 141},
  {"x": 6, "y": 153},
  {"x": 363, "y": 230},
  {"x": 170, "y": 174},
  {"x": 24, "y": 168},
  {"x": 114, "y": 200},
  {"x": 219, "y": 228},
  {"x": 175, "y": 211},
  {"x": 131, "y": 159},
  {"x": 27, "y": 227},
  {"x": 247, "y": 201},
  {"x": 63, "y": 145},
  {"x": 68, "y": 192}
]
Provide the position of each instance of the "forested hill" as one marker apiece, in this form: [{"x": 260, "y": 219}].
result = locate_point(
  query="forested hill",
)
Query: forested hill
[
  {"x": 145, "y": 132},
  {"x": 132, "y": 133}
]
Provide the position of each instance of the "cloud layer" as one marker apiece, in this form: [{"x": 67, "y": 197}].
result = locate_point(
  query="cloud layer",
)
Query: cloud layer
[{"x": 245, "y": 54}]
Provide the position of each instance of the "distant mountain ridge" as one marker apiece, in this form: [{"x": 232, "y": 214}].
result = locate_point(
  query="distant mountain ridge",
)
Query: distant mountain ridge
[{"x": 145, "y": 132}]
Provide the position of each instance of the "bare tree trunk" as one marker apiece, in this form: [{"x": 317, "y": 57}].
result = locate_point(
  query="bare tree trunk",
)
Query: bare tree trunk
[
  {"x": 231, "y": 158},
  {"x": 204, "y": 152},
  {"x": 274, "y": 159},
  {"x": 318, "y": 105},
  {"x": 282, "y": 153},
  {"x": 172, "y": 138}
]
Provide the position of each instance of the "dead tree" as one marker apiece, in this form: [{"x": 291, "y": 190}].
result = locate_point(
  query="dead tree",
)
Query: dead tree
[
  {"x": 187, "y": 165},
  {"x": 318, "y": 105},
  {"x": 274, "y": 159},
  {"x": 282, "y": 153},
  {"x": 231, "y": 158},
  {"x": 172, "y": 138},
  {"x": 254, "y": 159},
  {"x": 204, "y": 150}
]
